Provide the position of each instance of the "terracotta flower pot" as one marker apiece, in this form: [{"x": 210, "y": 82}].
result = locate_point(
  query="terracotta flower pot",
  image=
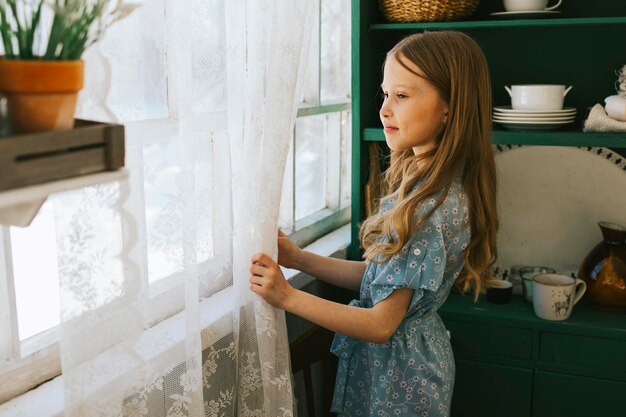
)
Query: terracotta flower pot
[{"x": 41, "y": 95}]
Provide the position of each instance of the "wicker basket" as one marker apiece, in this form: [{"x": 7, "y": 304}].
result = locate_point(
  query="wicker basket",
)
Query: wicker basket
[{"x": 426, "y": 10}]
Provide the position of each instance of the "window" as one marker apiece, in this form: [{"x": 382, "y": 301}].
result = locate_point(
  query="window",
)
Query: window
[{"x": 316, "y": 195}]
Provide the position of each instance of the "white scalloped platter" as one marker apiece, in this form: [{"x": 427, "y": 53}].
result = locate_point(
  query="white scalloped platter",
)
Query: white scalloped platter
[{"x": 550, "y": 200}]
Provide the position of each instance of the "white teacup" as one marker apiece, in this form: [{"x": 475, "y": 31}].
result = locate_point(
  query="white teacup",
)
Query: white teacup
[
  {"x": 554, "y": 295},
  {"x": 529, "y": 5},
  {"x": 537, "y": 96}
]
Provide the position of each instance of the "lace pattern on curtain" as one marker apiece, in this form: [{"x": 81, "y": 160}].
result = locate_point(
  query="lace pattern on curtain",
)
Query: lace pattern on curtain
[{"x": 209, "y": 110}]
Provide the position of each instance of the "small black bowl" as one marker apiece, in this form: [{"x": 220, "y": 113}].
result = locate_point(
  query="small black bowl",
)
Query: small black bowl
[{"x": 499, "y": 291}]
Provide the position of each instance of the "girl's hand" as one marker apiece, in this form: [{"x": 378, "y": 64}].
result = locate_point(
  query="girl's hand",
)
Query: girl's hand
[
  {"x": 268, "y": 281},
  {"x": 288, "y": 252}
]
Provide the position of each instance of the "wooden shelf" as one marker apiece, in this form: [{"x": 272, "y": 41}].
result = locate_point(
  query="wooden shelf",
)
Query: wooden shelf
[
  {"x": 546, "y": 138},
  {"x": 19, "y": 206},
  {"x": 501, "y": 24}
]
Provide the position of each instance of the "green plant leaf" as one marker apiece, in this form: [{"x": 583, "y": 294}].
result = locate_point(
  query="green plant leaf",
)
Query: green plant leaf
[
  {"x": 56, "y": 34},
  {"x": 7, "y": 34},
  {"x": 76, "y": 25},
  {"x": 34, "y": 24},
  {"x": 21, "y": 32}
]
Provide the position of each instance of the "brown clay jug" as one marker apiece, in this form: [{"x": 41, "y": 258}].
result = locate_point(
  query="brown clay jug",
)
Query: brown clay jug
[{"x": 604, "y": 269}]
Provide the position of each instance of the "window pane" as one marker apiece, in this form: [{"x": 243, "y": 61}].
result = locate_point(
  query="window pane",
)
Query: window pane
[
  {"x": 163, "y": 221},
  {"x": 35, "y": 274},
  {"x": 285, "y": 218},
  {"x": 162, "y": 182},
  {"x": 77, "y": 234},
  {"x": 310, "y": 181},
  {"x": 311, "y": 76},
  {"x": 346, "y": 159},
  {"x": 335, "y": 50},
  {"x": 209, "y": 56},
  {"x": 89, "y": 244},
  {"x": 203, "y": 183}
]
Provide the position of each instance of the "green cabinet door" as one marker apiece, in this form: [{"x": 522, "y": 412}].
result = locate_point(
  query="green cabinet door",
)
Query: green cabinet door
[
  {"x": 561, "y": 395},
  {"x": 487, "y": 390}
]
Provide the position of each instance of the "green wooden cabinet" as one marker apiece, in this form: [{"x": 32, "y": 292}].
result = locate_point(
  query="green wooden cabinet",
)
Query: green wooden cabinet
[
  {"x": 488, "y": 390},
  {"x": 575, "y": 396},
  {"x": 509, "y": 362}
]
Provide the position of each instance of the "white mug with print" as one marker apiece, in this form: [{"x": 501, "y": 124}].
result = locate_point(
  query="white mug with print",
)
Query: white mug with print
[{"x": 554, "y": 295}]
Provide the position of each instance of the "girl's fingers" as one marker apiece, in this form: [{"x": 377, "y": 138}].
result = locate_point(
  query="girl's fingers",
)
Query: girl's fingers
[
  {"x": 257, "y": 269},
  {"x": 263, "y": 258},
  {"x": 281, "y": 234},
  {"x": 255, "y": 280}
]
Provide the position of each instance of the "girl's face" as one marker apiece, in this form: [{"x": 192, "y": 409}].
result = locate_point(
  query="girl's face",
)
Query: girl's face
[{"x": 413, "y": 112}]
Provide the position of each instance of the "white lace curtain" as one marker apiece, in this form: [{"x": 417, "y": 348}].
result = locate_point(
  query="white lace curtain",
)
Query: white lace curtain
[{"x": 157, "y": 318}]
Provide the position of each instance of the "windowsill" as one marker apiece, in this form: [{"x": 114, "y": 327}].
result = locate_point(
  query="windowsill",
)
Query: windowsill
[{"x": 47, "y": 399}]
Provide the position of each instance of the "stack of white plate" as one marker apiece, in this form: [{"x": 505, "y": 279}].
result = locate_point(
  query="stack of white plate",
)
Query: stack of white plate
[{"x": 533, "y": 119}]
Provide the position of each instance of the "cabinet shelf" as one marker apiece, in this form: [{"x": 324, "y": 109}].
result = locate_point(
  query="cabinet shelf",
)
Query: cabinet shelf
[
  {"x": 585, "y": 318},
  {"x": 501, "y": 24},
  {"x": 548, "y": 138},
  {"x": 19, "y": 206}
]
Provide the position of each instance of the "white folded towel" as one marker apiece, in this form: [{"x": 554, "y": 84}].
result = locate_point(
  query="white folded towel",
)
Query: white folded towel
[
  {"x": 599, "y": 121},
  {"x": 616, "y": 107}
]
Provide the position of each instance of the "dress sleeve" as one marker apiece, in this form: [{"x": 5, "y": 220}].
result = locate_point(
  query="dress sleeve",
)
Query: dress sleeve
[{"x": 419, "y": 265}]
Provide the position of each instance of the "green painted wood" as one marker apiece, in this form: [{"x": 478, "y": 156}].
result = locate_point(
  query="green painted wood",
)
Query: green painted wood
[
  {"x": 549, "y": 138},
  {"x": 501, "y": 24},
  {"x": 590, "y": 343},
  {"x": 606, "y": 374},
  {"x": 560, "y": 51},
  {"x": 498, "y": 348},
  {"x": 568, "y": 9},
  {"x": 366, "y": 49},
  {"x": 574, "y": 56},
  {"x": 559, "y": 138},
  {"x": 373, "y": 134},
  {"x": 487, "y": 390},
  {"x": 583, "y": 351},
  {"x": 504, "y": 341},
  {"x": 565, "y": 395},
  {"x": 357, "y": 167},
  {"x": 585, "y": 320}
]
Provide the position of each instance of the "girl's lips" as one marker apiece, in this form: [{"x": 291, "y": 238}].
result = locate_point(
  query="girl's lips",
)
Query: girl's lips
[{"x": 389, "y": 129}]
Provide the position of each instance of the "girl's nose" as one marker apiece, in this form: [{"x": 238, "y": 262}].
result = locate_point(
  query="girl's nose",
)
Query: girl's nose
[{"x": 385, "y": 111}]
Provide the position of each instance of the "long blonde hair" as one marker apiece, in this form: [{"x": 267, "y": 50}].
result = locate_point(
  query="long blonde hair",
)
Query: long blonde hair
[{"x": 454, "y": 63}]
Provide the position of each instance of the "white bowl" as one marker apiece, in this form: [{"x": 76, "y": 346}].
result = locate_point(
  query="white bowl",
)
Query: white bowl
[{"x": 537, "y": 96}]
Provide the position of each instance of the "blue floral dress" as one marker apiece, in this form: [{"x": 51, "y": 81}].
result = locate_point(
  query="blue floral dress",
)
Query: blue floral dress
[{"x": 412, "y": 374}]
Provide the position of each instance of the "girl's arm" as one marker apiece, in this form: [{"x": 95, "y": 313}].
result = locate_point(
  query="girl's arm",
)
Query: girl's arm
[
  {"x": 339, "y": 272},
  {"x": 374, "y": 324}
]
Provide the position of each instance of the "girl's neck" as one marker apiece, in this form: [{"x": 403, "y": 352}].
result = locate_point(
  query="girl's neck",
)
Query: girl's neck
[{"x": 421, "y": 150}]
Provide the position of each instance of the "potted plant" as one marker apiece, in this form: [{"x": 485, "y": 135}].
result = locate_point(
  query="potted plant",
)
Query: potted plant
[{"x": 41, "y": 71}]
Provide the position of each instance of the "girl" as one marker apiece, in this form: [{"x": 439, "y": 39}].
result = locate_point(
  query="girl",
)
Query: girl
[{"x": 436, "y": 227}]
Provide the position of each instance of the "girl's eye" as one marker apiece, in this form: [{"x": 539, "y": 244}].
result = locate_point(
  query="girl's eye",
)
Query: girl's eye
[{"x": 398, "y": 95}]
